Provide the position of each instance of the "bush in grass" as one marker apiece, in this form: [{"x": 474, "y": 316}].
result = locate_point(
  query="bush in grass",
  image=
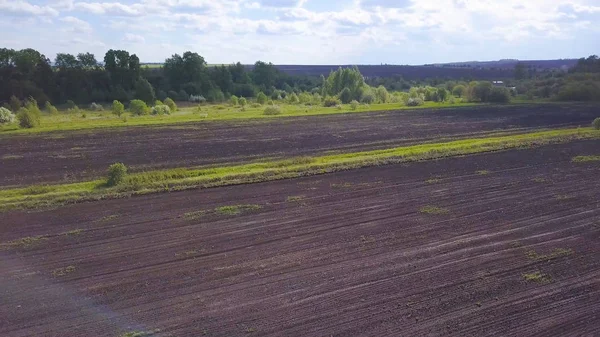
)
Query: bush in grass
[
  {"x": 96, "y": 107},
  {"x": 305, "y": 98},
  {"x": 414, "y": 101},
  {"x": 161, "y": 110},
  {"x": 28, "y": 119},
  {"x": 197, "y": 99},
  {"x": 293, "y": 98},
  {"x": 499, "y": 95},
  {"x": 32, "y": 106},
  {"x": 158, "y": 102},
  {"x": 51, "y": 109},
  {"x": 261, "y": 98},
  {"x": 345, "y": 96},
  {"x": 272, "y": 110},
  {"x": 116, "y": 174},
  {"x": 15, "y": 103},
  {"x": 6, "y": 116},
  {"x": 331, "y": 101},
  {"x": 233, "y": 100},
  {"x": 117, "y": 108},
  {"x": 138, "y": 107},
  {"x": 368, "y": 98},
  {"x": 255, "y": 105},
  {"x": 71, "y": 105},
  {"x": 270, "y": 102},
  {"x": 171, "y": 104},
  {"x": 243, "y": 102},
  {"x": 596, "y": 123},
  {"x": 354, "y": 104}
]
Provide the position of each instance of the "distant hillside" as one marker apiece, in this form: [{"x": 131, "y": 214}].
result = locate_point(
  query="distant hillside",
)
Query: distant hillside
[{"x": 510, "y": 64}]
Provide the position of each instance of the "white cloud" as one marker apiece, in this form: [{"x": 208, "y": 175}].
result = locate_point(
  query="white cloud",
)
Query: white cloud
[
  {"x": 19, "y": 7},
  {"x": 133, "y": 38},
  {"x": 109, "y": 8},
  {"x": 76, "y": 25}
]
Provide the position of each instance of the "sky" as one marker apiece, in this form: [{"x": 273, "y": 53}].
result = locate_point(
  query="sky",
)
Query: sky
[{"x": 307, "y": 31}]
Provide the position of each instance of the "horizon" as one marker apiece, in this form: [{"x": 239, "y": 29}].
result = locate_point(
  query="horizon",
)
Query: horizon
[{"x": 307, "y": 32}]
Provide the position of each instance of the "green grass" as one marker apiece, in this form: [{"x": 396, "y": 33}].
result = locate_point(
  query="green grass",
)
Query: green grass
[
  {"x": 105, "y": 119},
  {"x": 433, "y": 210},
  {"x": 537, "y": 277},
  {"x": 585, "y": 159},
  {"x": 559, "y": 252},
  {"x": 63, "y": 271},
  {"x": 11, "y": 157},
  {"x": 26, "y": 242},
  {"x": 236, "y": 209},
  {"x": 186, "y": 178},
  {"x": 295, "y": 198},
  {"x": 483, "y": 172}
]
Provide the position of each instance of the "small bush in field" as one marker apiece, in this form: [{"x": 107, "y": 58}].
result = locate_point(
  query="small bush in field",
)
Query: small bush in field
[
  {"x": 331, "y": 102},
  {"x": 117, "y": 108},
  {"x": 96, "y": 107},
  {"x": 6, "y": 116},
  {"x": 414, "y": 102},
  {"x": 596, "y": 123},
  {"x": 261, "y": 98},
  {"x": 197, "y": 99},
  {"x": 171, "y": 104},
  {"x": 161, "y": 110},
  {"x": 138, "y": 107},
  {"x": 71, "y": 104},
  {"x": 272, "y": 110},
  {"x": 51, "y": 109},
  {"x": 354, "y": 105},
  {"x": 116, "y": 174},
  {"x": 28, "y": 119},
  {"x": 243, "y": 102},
  {"x": 234, "y": 100}
]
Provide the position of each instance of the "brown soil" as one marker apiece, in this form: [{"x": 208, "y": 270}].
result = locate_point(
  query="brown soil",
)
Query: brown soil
[
  {"x": 80, "y": 155},
  {"x": 354, "y": 256}
]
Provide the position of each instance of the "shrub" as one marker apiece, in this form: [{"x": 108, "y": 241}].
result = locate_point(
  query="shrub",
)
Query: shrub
[
  {"x": 233, "y": 100},
  {"x": 144, "y": 91},
  {"x": 345, "y": 96},
  {"x": 255, "y": 105},
  {"x": 354, "y": 104},
  {"x": 459, "y": 90},
  {"x": 304, "y": 98},
  {"x": 117, "y": 108},
  {"x": 158, "y": 102},
  {"x": 586, "y": 91},
  {"x": 414, "y": 101},
  {"x": 6, "y": 116},
  {"x": 261, "y": 98},
  {"x": 382, "y": 95},
  {"x": 51, "y": 109},
  {"x": 272, "y": 110},
  {"x": 215, "y": 96},
  {"x": 32, "y": 106},
  {"x": 15, "y": 103},
  {"x": 197, "y": 99},
  {"x": 161, "y": 110},
  {"x": 28, "y": 119},
  {"x": 331, "y": 101},
  {"x": 368, "y": 98},
  {"x": 596, "y": 123},
  {"x": 171, "y": 104},
  {"x": 293, "y": 98},
  {"x": 96, "y": 107},
  {"x": 270, "y": 102},
  {"x": 243, "y": 102},
  {"x": 116, "y": 174},
  {"x": 71, "y": 104},
  {"x": 499, "y": 95},
  {"x": 138, "y": 107}
]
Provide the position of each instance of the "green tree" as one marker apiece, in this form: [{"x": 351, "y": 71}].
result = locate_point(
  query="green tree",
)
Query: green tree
[
  {"x": 138, "y": 107},
  {"x": 171, "y": 104},
  {"x": 15, "y": 103},
  {"x": 116, "y": 174},
  {"x": 345, "y": 96},
  {"x": 459, "y": 90},
  {"x": 233, "y": 100},
  {"x": 144, "y": 91},
  {"x": 520, "y": 71},
  {"x": 261, "y": 98},
  {"x": 118, "y": 108}
]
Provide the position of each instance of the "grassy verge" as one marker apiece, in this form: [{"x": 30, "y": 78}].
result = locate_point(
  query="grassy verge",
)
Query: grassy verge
[
  {"x": 186, "y": 178},
  {"x": 104, "y": 119}
]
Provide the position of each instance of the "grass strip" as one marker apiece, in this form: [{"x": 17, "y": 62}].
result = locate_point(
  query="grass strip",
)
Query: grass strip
[
  {"x": 65, "y": 121},
  {"x": 187, "y": 178}
]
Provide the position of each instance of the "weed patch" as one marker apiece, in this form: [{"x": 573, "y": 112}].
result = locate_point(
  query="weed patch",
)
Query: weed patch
[
  {"x": 236, "y": 209},
  {"x": 483, "y": 172},
  {"x": 559, "y": 252},
  {"x": 11, "y": 157},
  {"x": 585, "y": 159},
  {"x": 63, "y": 271},
  {"x": 433, "y": 210},
  {"x": 295, "y": 198},
  {"x": 537, "y": 277},
  {"x": 26, "y": 242}
]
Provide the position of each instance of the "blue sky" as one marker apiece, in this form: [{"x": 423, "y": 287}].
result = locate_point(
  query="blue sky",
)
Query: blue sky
[{"x": 307, "y": 31}]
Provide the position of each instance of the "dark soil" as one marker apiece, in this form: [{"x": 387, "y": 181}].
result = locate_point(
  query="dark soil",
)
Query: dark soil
[
  {"x": 349, "y": 254},
  {"x": 71, "y": 156}
]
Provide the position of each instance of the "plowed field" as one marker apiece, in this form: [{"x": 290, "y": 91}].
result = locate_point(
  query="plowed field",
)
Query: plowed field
[
  {"x": 72, "y": 156},
  {"x": 502, "y": 244}
]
